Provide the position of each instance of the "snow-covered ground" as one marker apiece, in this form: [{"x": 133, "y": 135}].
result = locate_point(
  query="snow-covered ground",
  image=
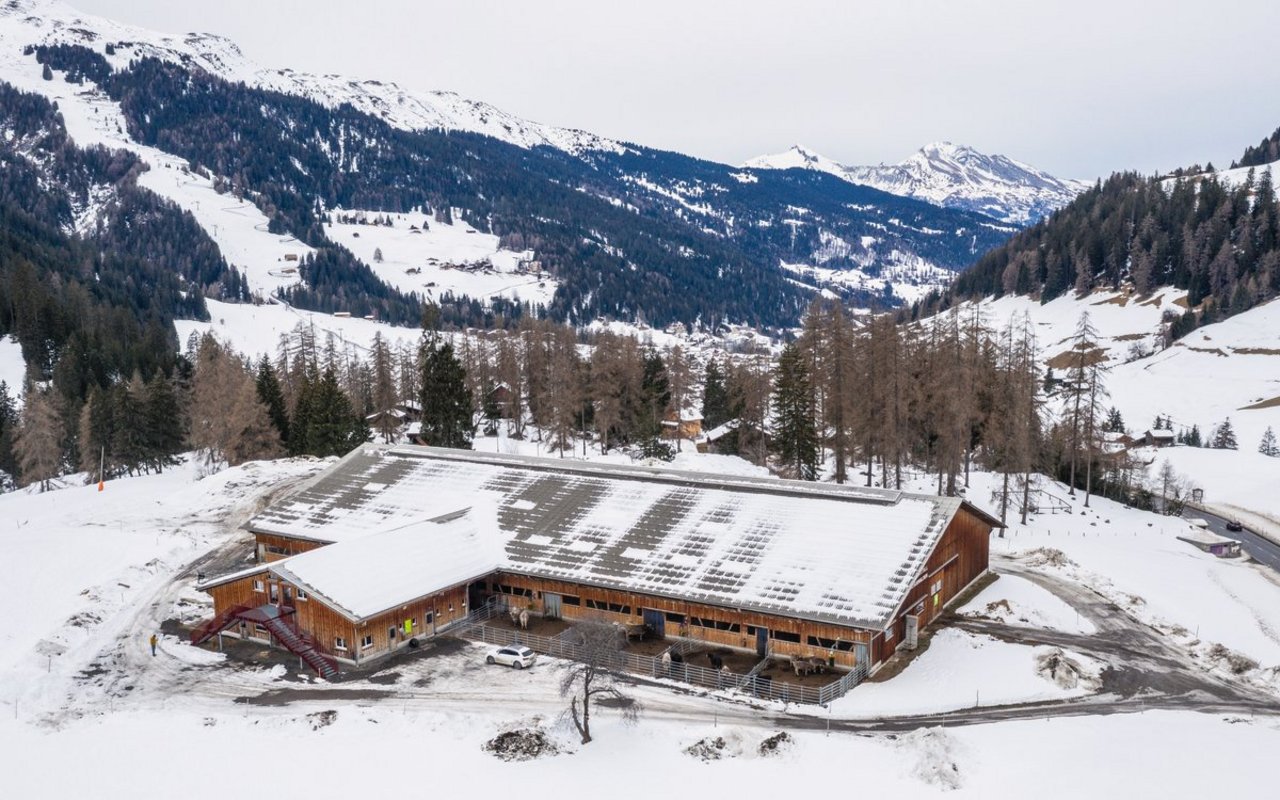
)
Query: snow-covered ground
[
  {"x": 1135, "y": 559},
  {"x": 431, "y": 258},
  {"x": 12, "y": 367},
  {"x": 96, "y": 580},
  {"x": 1018, "y": 601},
  {"x": 1229, "y": 369},
  {"x": 961, "y": 670}
]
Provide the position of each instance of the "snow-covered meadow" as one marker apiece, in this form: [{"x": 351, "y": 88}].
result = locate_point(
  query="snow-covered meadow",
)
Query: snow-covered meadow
[{"x": 97, "y": 578}]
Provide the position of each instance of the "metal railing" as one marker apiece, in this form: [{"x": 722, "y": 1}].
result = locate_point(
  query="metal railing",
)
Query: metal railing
[{"x": 752, "y": 683}]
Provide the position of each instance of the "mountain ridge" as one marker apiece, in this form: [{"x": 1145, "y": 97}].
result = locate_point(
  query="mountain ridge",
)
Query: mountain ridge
[{"x": 949, "y": 175}]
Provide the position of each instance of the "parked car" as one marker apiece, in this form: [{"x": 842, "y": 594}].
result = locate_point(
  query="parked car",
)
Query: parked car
[
  {"x": 1234, "y": 525},
  {"x": 516, "y": 657}
]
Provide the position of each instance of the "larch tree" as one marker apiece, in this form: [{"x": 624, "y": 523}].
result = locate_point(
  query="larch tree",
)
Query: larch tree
[
  {"x": 1084, "y": 351},
  {"x": 384, "y": 394},
  {"x": 680, "y": 380},
  {"x": 38, "y": 446},
  {"x": 229, "y": 424}
]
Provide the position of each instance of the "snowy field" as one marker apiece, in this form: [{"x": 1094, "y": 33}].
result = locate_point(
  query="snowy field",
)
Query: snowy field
[
  {"x": 1223, "y": 370},
  {"x": 1134, "y": 559},
  {"x": 961, "y": 670},
  {"x": 431, "y": 258},
  {"x": 97, "y": 578},
  {"x": 12, "y": 367}
]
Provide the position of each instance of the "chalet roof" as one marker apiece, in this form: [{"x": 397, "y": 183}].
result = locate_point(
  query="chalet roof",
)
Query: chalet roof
[
  {"x": 364, "y": 577},
  {"x": 839, "y": 554}
]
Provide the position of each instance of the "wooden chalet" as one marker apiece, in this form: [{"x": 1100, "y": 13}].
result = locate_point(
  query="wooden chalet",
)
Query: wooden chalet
[{"x": 395, "y": 544}]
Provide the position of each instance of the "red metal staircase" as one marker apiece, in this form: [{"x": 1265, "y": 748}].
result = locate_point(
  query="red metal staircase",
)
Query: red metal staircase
[
  {"x": 303, "y": 646},
  {"x": 280, "y": 622},
  {"x": 209, "y": 629}
]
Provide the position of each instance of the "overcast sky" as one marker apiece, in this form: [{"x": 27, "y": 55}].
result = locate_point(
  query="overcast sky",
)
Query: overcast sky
[{"x": 1078, "y": 87}]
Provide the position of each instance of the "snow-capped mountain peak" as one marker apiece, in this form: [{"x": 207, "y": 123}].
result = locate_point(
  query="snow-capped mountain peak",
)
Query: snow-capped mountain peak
[
  {"x": 48, "y": 22},
  {"x": 947, "y": 174}
]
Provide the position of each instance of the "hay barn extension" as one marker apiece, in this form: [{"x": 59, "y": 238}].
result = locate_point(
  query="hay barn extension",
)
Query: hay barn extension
[{"x": 393, "y": 545}]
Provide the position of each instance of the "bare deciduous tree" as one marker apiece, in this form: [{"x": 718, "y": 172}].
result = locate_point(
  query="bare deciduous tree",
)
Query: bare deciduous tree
[{"x": 595, "y": 675}]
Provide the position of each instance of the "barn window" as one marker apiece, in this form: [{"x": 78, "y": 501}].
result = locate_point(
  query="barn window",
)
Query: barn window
[
  {"x": 276, "y": 550},
  {"x": 715, "y": 624},
  {"x": 674, "y": 617},
  {"x": 785, "y": 636},
  {"x": 257, "y": 586},
  {"x": 830, "y": 644},
  {"x": 339, "y": 644},
  {"x": 302, "y": 595},
  {"x": 570, "y": 600},
  {"x": 366, "y": 642},
  {"x": 600, "y": 605},
  {"x": 936, "y": 587},
  {"x": 888, "y": 634}
]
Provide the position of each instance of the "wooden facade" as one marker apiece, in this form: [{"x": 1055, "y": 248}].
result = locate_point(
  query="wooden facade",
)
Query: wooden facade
[
  {"x": 269, "y": 547},
  {"x": 352, "y": 641},
  {"x": 959, "y": 558}
]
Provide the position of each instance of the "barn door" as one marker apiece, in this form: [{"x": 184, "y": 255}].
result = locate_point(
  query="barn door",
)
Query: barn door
[
  {"x": 656, "y": 621},
  {"x": 862, "y": 657},
  {"x": 551, "y": 605},
  {"x": 762, "y": 641}
]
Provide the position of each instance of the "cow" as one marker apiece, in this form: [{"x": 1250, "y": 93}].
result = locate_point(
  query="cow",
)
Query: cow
[
  {"x": 524, "y": 619},
  {"x": 716, "y": 661},
  {"x": 515, "y": 615}
]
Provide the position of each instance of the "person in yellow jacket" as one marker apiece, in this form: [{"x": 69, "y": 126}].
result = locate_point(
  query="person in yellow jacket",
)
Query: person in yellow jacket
[{"x": 153, "y": 644}]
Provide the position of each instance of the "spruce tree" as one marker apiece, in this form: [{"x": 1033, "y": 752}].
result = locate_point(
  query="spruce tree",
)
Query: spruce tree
[
  {"x": 165, "y": 432},
  {"x": 655, "y": 395},
  {"x": 446, "y": 401},
  {"x": 1224, "y": 438},
  {"x": 271, "y": 395},
  {"x": 325, "y": 424},
  {"x": 715, "y": 397},
  {"x": 1268, "y": 446},
  {"x": 795, "y": 437}
]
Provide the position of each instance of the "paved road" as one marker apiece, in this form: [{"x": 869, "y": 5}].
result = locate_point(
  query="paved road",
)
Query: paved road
[{"x": 1263, "y": 550}]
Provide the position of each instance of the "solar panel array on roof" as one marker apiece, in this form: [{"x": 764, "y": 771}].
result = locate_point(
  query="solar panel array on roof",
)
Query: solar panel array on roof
[{"x": 828, "y": 553}]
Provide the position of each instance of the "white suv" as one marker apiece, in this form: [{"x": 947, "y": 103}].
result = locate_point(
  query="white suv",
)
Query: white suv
[{"x": 516, "y": 656}]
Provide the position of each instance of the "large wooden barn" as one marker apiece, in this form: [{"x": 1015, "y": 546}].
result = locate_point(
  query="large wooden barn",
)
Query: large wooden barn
[{"x": 394, "y": 544}]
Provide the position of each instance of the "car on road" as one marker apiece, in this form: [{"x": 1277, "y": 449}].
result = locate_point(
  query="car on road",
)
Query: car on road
[
  {"x": 515, "y": 656},
  {"x": 1234, "y": 525}
]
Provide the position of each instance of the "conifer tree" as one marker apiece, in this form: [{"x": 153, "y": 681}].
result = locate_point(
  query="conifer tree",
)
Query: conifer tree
[
  {"x": 165, "y": 430},
  {"x": 795, "y": 439},
  {"x": 271, "y": 395},
  {"x": 1224, "y": 437},
  {"x": 715, "y": 397},
  {"x": 39, "y": 443},
  {"x": 1268, "y": 446},
  {"x": 384, "y": 386},
  {"x": 447, "y": 419},
  {"x": 325, "y": 423}
]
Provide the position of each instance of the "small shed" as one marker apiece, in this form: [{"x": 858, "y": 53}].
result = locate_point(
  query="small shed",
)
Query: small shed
[
  {"x": 1160, "y": 438},
  {"x": 1211, "y": 543}
]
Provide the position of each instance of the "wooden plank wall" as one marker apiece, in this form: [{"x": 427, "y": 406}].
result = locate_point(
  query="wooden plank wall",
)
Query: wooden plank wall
[
  {"x": 269, "y": 547},
  {"x": 428, "y": 614},
  {"x": 962, "y": 554},
  {"x": 746, "y": 622}
]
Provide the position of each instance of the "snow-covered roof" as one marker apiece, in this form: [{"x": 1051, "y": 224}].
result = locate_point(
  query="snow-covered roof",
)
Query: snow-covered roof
[
  {"x": 367, "y": 576},
  {"x": 720, "y": 431},
  {"x": 840, "y": 554}
]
